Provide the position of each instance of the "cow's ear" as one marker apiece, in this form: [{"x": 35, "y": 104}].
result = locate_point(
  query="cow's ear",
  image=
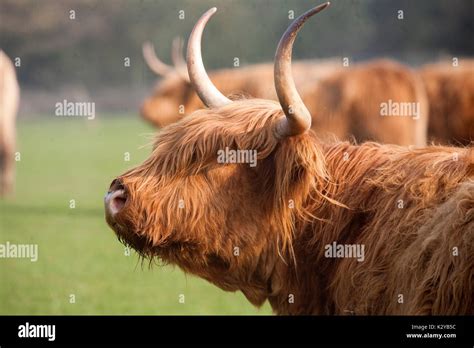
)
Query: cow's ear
[
  {"x": 299, "y": 174},
  {"x": 300, "y": 168}
]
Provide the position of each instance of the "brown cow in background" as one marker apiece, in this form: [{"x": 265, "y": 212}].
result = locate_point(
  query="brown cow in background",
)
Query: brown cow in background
[
  {"x": 352, "y": 101},
  {"x": 346, "y": 101},
  {"x": 411, "y": 210},
  {"x": 450, "y": 92},
  {"x": 174, "y": 96},
  {"x": 9, "y": 99}
]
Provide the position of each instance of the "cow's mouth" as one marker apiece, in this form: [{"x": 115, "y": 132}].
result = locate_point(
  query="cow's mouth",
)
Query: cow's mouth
[
  {"x": 135, "y": 240},
  {"x": 116, "y": 201}
]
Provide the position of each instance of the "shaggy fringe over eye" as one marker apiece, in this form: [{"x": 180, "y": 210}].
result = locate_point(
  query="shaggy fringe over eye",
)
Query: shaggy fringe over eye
[{"x": 294, "y": 174}]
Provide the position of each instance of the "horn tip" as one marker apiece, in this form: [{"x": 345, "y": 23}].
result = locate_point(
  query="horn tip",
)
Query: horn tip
[
  {"x": 209, "y": 13},
  {"x": 319, "y": 8},
  {"x": 323, "y": 6}
]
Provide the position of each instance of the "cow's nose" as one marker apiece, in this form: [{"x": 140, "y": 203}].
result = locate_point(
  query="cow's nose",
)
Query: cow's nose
[{"x": 116, "y": 198}]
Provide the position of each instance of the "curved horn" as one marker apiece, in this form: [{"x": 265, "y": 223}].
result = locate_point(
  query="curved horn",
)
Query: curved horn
[
  {"x": 177, "y": 57},
  {"x": 204, "y": 87},
  {"x": 153, "y": 62},
  {"x": 298, "y": 118}
]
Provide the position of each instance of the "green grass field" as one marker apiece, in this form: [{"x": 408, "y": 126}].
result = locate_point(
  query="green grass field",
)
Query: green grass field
[{"x": 65, "y": 159}]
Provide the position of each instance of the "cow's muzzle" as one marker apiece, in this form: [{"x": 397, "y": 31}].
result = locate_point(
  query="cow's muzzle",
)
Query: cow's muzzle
[{"x": 115, "y": 199}]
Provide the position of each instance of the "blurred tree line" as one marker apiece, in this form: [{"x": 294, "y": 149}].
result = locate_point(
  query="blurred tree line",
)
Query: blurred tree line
[{"x": 90, "y": 49}]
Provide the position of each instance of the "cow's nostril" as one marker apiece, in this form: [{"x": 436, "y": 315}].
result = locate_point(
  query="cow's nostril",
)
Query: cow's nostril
[
  {"x": 116, "y": 198},
  {"x": 118, "y": 201},
  {"x": 115, "y": 201}
]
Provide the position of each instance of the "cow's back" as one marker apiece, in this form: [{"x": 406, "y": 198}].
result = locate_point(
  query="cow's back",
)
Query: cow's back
[
  {"x": 350, "y": 101},
  {"x": 413, "y": 211},
  {"x": 450, "y": 92}
]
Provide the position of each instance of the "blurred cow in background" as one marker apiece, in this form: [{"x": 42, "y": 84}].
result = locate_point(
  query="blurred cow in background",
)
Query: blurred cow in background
[
  {"x": 9, "y": 99},
  {"x": 347, "y": 102},
  {"x": 380, "y": 100},
  {"x": 174, "y": 96},
  {"x": 450, "y": 92}
]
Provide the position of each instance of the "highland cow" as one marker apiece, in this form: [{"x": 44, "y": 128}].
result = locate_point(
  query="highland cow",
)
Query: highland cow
[
  {"x": 174, "y": 96},
  {"x": 9, "y": 99},
  {"x": 346, "y": 102},
  {"x": 380, "y": 100},
  {"x": 450, "y": 90},
  {"x": 411, "y": 211}
]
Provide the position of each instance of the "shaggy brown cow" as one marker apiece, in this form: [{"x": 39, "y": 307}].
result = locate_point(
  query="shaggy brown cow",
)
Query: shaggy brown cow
[
  {"x": 275, "y": 230},
  {"x": 451, "y": 97},
  {"x": 9, "y": 98},
  {"x": 380, "y": 100}
]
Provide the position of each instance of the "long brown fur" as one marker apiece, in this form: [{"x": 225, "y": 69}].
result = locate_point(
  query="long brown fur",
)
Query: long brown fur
[{"x": 186, "y": 209}]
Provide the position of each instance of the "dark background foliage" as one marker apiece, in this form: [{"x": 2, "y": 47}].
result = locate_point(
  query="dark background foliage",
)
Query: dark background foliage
[{"x": 86, "y": 55}]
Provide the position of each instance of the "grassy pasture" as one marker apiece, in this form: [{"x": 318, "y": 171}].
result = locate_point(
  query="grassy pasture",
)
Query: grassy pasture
[{"x": 64, "y": 159}]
